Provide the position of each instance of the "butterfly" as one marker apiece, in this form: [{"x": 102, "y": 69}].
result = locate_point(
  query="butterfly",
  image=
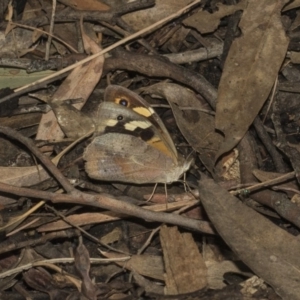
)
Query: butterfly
[{"x": 131, "y": 144}]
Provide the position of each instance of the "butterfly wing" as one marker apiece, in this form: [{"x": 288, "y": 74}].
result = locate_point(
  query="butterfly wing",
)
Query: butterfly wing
[
  {"x": 116, "y": 118},
  {"x": 134, "y": 102},
  {"x": 126, "y": 158},
  {"x": 130, "y": 145}
]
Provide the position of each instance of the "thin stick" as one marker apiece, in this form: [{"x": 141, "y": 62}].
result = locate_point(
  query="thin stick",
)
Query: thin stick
[
  {"x": 51, "y": 27},
  {"x": 266, "y": 183},
  {"x": 62, "y": 260},
  {"x": 115, "y": 45}
]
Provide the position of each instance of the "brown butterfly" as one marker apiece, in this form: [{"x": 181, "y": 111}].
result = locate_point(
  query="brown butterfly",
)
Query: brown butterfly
[{"x": 131, "y": 143}]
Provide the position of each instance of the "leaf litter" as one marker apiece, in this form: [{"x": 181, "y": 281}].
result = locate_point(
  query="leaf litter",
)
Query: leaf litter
[{"x": 237, "y": 216}]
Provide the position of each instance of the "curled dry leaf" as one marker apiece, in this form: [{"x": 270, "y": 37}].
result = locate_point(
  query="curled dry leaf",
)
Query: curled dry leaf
[
  {"x": 250, "y": 70},
  {"x": 196, "y": 126},
  {"x": 40, "y": 279},
  {"x": 82, "y": 264},
  {"x": 27, "y": 256}
]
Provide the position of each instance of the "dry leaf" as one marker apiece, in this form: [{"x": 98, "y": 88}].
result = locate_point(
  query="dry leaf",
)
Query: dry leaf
[
  {"x": 250, "y": 70},
  {"x": 206, "y": 22},
  {"x": 256, "y": 240},
  {"x": 27, "y": 256},
  {"x": 146, "y": 265},
  {"x": 185, "y": 269},
  {"x": 41, "y": 280},
  {"x": 83, "y": 264},
  {"x": 23, "y": 176},
  {"x": 292, "y": 5},
  {"x": 113, "y": 236}
]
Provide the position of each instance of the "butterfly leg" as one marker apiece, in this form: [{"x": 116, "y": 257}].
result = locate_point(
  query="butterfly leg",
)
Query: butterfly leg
[{"x": 152, "y": 194}]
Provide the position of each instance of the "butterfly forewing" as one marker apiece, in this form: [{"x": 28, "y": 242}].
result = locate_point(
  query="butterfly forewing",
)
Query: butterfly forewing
[
  {"x": 131, "y": 100},
  {"x": 115, "y": 118}
]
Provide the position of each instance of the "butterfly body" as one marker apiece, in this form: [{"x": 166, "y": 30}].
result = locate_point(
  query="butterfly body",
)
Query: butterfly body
[{"x": 131, "y": 144}]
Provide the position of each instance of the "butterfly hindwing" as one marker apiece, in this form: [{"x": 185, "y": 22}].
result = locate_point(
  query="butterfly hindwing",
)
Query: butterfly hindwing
[{"x": 128, "y": 159}]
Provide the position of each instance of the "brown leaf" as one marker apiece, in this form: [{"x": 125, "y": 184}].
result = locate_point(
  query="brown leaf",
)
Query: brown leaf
[
  {"x": 147, "y": 265},
  {"x": 271, "y": 252},
  {"x": 26, "y": 256},
  {"x": 42, "y": 280},
  {"x": 250, "y": 70},
  {"x": 82, "y": 264},
  {"x": 23, "y": 176},
  {"x": 185, "y": 269}
]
